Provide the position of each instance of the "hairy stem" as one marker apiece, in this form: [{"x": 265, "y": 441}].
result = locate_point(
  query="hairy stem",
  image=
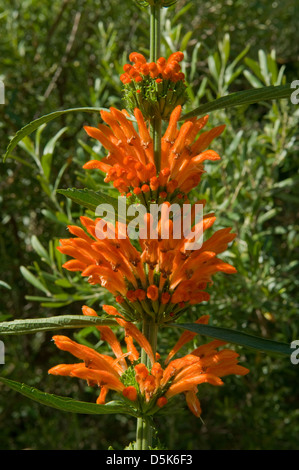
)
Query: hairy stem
[
  {"x": 144, "y": 434},
  {"x": 155, "y": 43}
]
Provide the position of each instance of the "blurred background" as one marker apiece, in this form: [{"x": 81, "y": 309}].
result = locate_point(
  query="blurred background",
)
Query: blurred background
[{"x": 63, "y": 54}]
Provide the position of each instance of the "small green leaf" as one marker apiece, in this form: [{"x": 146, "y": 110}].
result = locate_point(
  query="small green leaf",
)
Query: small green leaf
[
  {"x": 4, "y": 284},
  {"x": 237, "y": 337},
  {"x": 264, "y": 66},
  {"x": 68, "y": 404},
  {"x": 267, "y": 215},
  {"x": 63, "y": 283},
  {"x": 33, "y": 280},
  {"x": 50, "y": 146},
  {"x": 254, "y": 66},
  {"x": 224, "y": 48},
  {"x": 40, "y": 250},
  {"x": 255, "y": 82}
]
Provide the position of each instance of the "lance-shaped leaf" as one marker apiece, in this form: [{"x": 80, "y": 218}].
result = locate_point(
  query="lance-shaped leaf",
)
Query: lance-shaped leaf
[
  {"x": 33, "y": 125},
  {"x": 68, "y": 404},
  {"x": 237, "y": 337},
  {"x": 93, "y": 199},
  {"x": 239, "y": 98},
  {"x": 61, "y": 322}
]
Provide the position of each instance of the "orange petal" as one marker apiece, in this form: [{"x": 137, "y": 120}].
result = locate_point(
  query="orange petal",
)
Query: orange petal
[
  {"x": 74, "y": 265},
  {"x": 188, "y": 384},
  {"x": 186, "y": 337},
  {"x": 89, "y": 355},
  {"x": 102, "y": 377},
  {"x": 193, "y": 403},
  {"x": 134, "y": 354},
  {"x": 64, "y": 369},
  {"x": 102, "y": 397},
  {"x": 132, "y": 330}
]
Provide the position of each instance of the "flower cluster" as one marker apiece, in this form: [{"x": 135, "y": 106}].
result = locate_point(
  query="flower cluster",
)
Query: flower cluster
[
  {"x": 154, "y": 279},
  {"x": 163, "y": 69},
  {"x": 130, "y": 163},
  {"x": 148, "y": 389},
  {"x": 159, "y": 280},
  {"x": 156, "y": 88}
]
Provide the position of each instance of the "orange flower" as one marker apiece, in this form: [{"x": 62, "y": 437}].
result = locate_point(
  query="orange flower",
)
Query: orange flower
[
  {"x": 158, "y": 277},
  {"x": 186, "y": 374},
  {"x": 152, "y": 385},
  {"x": 130, "y": 161},
  {"x": 186, "y": 337},
  {"x": 131, "y": 330},
  {"x": 99, "y": 369},
  {"x": 164, "y": 69}
]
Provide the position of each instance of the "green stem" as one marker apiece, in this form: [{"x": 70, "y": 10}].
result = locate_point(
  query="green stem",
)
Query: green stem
[
  {"x": 144, "y": 434},
  {"x": 155, "y": 43},
  {"x": 155, "y": 32},
  {"x": 152, "y": 34}
]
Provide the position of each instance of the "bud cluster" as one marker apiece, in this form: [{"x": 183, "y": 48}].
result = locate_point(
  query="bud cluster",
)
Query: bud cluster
[
  {"x": 156, "y": 88},
  {"x": 151, "y": 3}
]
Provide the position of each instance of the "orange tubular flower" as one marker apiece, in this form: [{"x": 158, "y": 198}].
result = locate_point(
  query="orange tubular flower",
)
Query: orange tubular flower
[
  {"x": 185, "y": 374},
  {"x": 130, "y": 161},
  {"x": 99, "y": 369},
  {"x": 153, "y": 386},
  {"x": 159, "y": 277}
]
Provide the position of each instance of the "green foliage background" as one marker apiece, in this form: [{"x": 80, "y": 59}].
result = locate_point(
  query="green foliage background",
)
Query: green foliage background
[{"x": 63, "y": 54}]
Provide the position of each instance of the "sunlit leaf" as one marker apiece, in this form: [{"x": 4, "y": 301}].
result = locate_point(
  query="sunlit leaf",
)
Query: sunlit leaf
[
  {"x": 237, "y": 337},
  {"x": 239, "y": 98},
  {"x": 33, "y": 125},
  {"x": 68, "y": 404},
  {"x": 29, "y": 326}
]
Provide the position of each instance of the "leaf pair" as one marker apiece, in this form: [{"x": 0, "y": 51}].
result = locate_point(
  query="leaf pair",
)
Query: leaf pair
[{"x": 240, "y": 98}]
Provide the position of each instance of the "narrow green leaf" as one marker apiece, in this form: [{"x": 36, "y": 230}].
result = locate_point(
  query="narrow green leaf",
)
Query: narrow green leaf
[
  {"x": 239, "y": 98},
  {"x": 32, "y": 126},
  {"x": 239, "y": 57},
  {"x": 255, "y": 82},
  {"x": 40, "y": 250},
  {"x": 60, "y": 322},
  {"x": 63, "y": 283},
  {"x": 88, "y": 198},
  {"x": 50, "y": 146},
  {"x": 185, "y": 40},
  {"x": 237, "y": 337},
  {"x": 262, "y": 218},
  {"x": 92, "y": 199},
  {"x": 33, "y": 280},
  {"x": 68, "y": 404},
  {"x": 254, "y": 66},
  {"x": 4, "y": 284},
  {"x": 214, "y": 65},
  {"x": 38, "y": 135},
  {"x": 224, "y": 48},
  {"x": 264, "y": 66}
]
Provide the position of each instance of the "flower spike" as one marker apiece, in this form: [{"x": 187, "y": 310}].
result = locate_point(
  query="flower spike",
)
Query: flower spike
[{"x": 150, "y": 387}]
